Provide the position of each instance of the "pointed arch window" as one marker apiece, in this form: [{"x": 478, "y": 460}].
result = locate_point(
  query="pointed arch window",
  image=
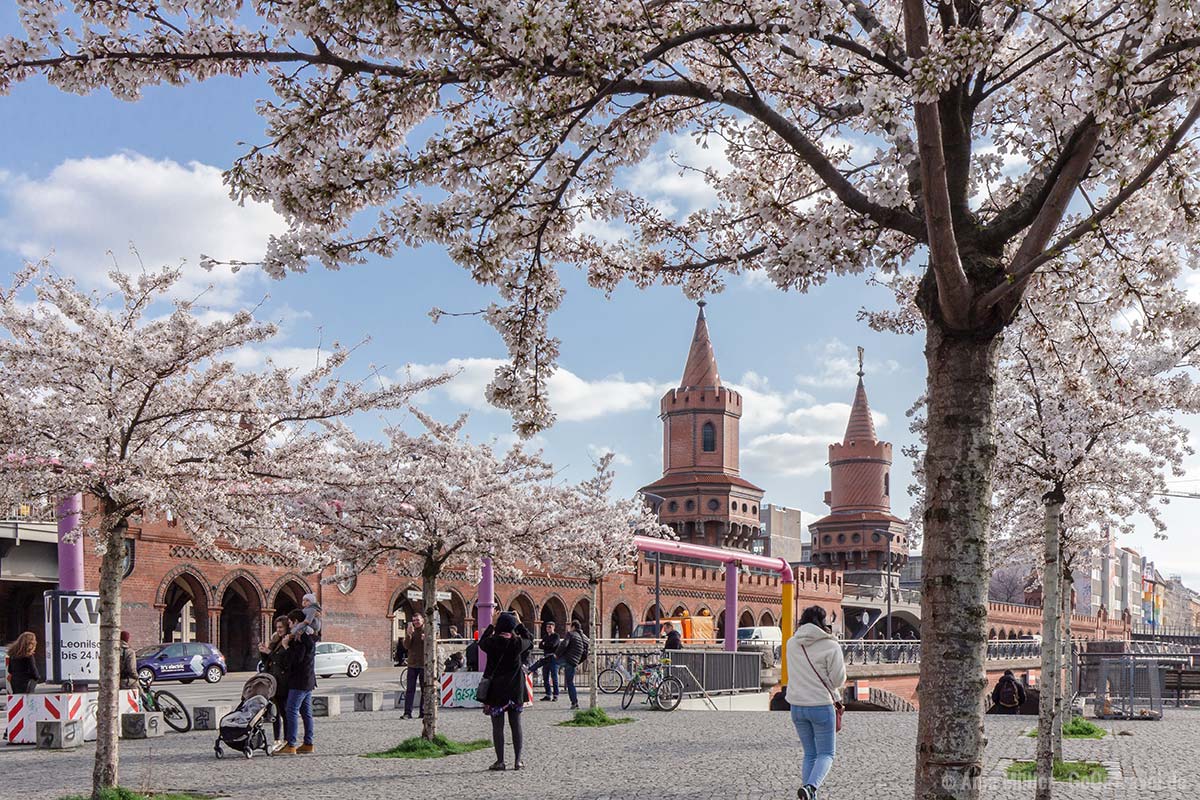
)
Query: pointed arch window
[{"x": 708, "y": 438}]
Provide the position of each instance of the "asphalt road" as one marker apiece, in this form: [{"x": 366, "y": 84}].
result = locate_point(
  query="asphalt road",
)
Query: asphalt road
[{"x": 229, "y": 690}]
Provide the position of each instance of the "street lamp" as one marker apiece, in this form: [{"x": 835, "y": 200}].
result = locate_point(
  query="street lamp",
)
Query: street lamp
[
  {"x": 656, "y": 502},
  {"x": 888, "y": 587}
]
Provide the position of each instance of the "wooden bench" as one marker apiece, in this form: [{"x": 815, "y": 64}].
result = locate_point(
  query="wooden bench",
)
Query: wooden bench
[{"x": 1180, "y": 681}]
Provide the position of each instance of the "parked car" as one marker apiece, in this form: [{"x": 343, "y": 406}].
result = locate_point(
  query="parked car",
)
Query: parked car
[
  {"x": 766, "y": 639},
  {"x": 181, "y": 661},
  {"x": 334, "y": 658}
]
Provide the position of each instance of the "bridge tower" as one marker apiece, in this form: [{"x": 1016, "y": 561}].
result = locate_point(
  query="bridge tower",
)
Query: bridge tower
[
  {"x": 860, "y": 529},
  {"x": 704, "y": 497}
]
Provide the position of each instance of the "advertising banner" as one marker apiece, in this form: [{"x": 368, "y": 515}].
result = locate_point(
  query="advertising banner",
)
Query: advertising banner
[{"x": 72, "y": 636}]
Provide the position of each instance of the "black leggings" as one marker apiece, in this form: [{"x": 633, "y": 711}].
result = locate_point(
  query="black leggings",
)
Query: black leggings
[
  {"x": 277, "y": 722},
  {"x": 514, "y": 722}
]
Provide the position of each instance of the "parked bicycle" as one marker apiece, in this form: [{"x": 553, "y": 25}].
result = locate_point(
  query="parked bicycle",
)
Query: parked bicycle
[
  {"x": 660, "y": 687},
  {"x": 174, "y": 712},
  {"x": 617, "y": 675}
]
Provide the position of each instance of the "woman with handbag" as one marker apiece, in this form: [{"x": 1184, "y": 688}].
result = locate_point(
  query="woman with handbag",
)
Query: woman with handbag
[
  {"x": 816, "y": 675},
  {"x": 503, "y": 690}
]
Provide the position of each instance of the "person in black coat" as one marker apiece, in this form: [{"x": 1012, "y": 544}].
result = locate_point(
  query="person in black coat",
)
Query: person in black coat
[
  {"x": 1009, "y": 694},
  {"x": 23, "y": 671},
  {"x": 548, "y": 662},
  {"x": 506, "y": 644},
  {"x": 301, "y": 680},
  {"x": 674, "y": 640}
]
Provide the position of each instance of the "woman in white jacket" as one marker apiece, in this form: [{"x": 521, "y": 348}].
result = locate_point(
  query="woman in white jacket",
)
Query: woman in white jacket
[{"x": 816, "y": 675}]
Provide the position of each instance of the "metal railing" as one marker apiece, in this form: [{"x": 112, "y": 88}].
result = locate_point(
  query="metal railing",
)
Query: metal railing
[
  {"x": 877, "y": 593},
  {"x": 905, "y": 651}
]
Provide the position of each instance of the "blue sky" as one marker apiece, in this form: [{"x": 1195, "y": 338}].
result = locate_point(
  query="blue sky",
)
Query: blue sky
[{"x": 88, "y": 176}]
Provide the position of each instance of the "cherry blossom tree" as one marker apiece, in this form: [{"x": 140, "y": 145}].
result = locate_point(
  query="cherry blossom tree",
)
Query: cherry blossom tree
[
  {"x": 597, "y": 540},
  {"x": 980, "y": 139},
  {"x": 142, "y": 413},
  {"x": 416, "y": 504}
]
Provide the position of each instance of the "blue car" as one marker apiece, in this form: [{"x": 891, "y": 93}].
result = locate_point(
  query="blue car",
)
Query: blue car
[{"x": 181, "y": 661}]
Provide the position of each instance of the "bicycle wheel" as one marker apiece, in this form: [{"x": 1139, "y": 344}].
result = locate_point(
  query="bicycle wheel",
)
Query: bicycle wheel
[
  {"x": 630, "y": 692},
  {"x": 670, "y": 692},
  {"x": 175, "y": 714},
  {"x": 610, "y": 681}
]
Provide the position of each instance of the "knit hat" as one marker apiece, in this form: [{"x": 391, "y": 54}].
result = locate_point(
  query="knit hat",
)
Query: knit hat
[
  {"x": 125, "y": 637},
  {"x": 506, "y": 624}
]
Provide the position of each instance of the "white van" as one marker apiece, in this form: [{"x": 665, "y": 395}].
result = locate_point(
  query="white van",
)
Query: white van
[{"x": 767, "y": 639}]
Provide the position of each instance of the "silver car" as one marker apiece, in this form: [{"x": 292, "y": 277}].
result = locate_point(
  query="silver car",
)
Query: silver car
[{"x": 334, "y": 658}]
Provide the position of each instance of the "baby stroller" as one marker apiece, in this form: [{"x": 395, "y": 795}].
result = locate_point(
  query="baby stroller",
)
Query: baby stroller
[{"x": 244, "y": 728}]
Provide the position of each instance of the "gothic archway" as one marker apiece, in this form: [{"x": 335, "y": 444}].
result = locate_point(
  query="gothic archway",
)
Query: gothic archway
[
  {"x": 287, "y": 594},
  {"x": 241, "y": 623},
  {"x": 184, "y": 601},
  {"x": 767, "y": 620},
  {"x": 620, "y": 625},
  {"x": 554, "y": 610},
  {"x": 746, "y": 620},
  {"x": 582, "y": 613},
  {"x": 522, "y": 604}
]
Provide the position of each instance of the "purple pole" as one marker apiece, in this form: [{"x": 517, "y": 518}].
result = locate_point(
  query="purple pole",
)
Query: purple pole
[
  {"x": 731, "y": 603},
  {"x": 486, "y": 603},
  {"x": 70, "y": 553}
]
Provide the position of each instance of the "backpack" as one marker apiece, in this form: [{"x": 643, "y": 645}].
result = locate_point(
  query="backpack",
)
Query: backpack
[
  {"x": 1009, "y": 696},
  {"x": 586, "y": 650}
]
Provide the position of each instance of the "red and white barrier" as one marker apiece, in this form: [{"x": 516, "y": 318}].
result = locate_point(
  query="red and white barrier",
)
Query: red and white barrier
[
  {"x": 458, "y": 689},
  {"x": 26, "y": 710}
]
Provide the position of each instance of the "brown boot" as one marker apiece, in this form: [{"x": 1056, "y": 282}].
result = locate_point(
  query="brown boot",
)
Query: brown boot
[
  {"x": 286, "y": 750},
  {"x": 305, "y": 748}
]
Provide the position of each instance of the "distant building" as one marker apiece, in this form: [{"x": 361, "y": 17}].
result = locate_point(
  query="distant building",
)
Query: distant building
[
  {"x": 783, "y": 533},
  {"x": 1177, "y": 604}
]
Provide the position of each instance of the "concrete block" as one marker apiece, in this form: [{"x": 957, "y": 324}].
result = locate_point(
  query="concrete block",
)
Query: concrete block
[
  {"x": 368, "y": 701},
  {"x": 207, "y": 718},
  {"x": 400, "y": 700},
  {"x": 142, "y": 725},
  {"x": 59, "y": 734},
  {"x": 326, "y": 705}
]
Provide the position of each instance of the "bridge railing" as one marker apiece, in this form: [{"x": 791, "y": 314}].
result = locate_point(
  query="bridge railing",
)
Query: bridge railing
[{"x": 904, "y": 651}]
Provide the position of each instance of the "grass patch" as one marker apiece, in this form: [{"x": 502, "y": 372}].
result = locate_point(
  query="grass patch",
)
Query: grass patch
[
  {"x": 1078, "y": 728},
  {"x": 1066, "y": 771},
  {"x": 593, "y": 718},
  {"x": 121, "y": 793},
  {"x": 438, "y": 747}
]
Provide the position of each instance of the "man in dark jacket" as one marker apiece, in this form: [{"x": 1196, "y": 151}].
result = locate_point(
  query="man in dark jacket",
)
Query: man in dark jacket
[
  {"x": 549, "y": 661},
  {"x": 301, "y": 680},
  {"x": 1009, "y": 694},
  {"x": 128, "y": 677},
  {"x": 414, "y": 640},
  {"x": 674, "y": 640},
  {"x": 574, "y": 651}
]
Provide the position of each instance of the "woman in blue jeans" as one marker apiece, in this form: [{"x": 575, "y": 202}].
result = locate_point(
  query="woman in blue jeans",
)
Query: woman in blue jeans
[{"x": 816, "y": 675}]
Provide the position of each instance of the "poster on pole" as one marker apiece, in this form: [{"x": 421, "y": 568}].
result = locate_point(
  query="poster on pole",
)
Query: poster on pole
[{"x": 72, "y": 636}]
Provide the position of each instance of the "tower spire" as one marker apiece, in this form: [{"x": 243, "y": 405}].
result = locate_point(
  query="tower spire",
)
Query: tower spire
[
  {"x": 861, "y": 427},
  {"x": 701, "y": 367}
]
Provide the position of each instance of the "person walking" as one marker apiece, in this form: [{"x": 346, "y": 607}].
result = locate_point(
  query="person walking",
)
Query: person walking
[
  {"x": 548, "y": 662},
  {"x": 674, "y": 640},
  {"x": 1009, "y": 694},
  {"x": 274, "y": 660},
  {"x": 505, "y": 692},
  {"x": 575, "y": 652},
  {"x": 816, "y": 676},
  {"x": 414, "y": 641},
  {"x": 128, "y": 678},
  {"x": 23, "y": 672},
  {"x": 301, "y": 680}
]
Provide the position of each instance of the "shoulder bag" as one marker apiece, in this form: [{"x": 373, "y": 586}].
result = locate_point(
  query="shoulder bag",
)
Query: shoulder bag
[{"x": 838, "y": 705}]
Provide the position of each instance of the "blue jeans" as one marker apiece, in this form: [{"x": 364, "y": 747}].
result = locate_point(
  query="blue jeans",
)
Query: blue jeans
[
  {"x": 299, "y": 704},
  {"x": 569, "y": 676},
  {"x": 817, "y": 728},
  {"x": 550, "y": 674}
]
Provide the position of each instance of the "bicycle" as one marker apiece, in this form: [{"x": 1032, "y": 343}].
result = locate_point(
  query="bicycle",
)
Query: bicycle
[
  {"x": 174, "y": 712},
  {"x": 661, "y": 688},
  {"x": 616, "y": 675}
]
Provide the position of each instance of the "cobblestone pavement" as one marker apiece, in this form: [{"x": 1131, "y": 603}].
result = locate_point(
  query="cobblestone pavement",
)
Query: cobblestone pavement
[{"x": 685, "y": 754}]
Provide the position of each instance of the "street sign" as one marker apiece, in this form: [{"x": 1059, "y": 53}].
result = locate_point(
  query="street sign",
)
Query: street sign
[{"x": 415, "y": 594}]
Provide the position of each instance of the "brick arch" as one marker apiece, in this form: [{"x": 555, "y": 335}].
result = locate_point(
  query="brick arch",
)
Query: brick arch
[
  {"x": 399, "y": 596},
  {"x": 558, "y": 610},
  {"x": 184, "y": 571},
  {"x": 250, "y": 579},
  {"x": 277, "y": 587},
  {"x": 648, "y": 614}
]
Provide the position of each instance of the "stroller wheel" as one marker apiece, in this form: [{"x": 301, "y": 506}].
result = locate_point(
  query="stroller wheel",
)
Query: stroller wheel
[
  {"x": 218, "y": 751},
  {"x": 248, "y": 753}
]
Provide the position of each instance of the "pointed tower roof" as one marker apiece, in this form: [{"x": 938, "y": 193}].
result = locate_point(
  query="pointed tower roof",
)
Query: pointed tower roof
[
  {"x": 860, "y": 428},
  {"x": 701, "y": 368}
]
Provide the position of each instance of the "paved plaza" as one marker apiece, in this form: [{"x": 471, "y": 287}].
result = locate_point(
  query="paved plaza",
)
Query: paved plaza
[{"x": 684, "y": 754}]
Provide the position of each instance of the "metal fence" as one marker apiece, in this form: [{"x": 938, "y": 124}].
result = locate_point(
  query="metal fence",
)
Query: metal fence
[
  {"x": 904, "y": 651},
  {"x": 1124, "y": 685}
]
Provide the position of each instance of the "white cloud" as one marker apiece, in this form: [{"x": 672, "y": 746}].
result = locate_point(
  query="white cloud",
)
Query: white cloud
[
  {"x": 91, "y": 211},
  {"x": 828, "y": 417},
  {"x": 573, "y": 398},
  {"x": 763, "y": 407},
  {"x": 836, "y": 366},
  {"x": 672, "y": 176}
]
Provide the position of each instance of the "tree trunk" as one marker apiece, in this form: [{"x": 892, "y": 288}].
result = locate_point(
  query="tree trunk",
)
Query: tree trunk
[
  {"x": 593, "y": 698},
  {"x": 958, "y": 471},
  {"x": 1049, "y": 701},
  {"x": 108, "y": 719},
  {"x": 429, "y": 690},
  {"x": 1065, "y": 663}
]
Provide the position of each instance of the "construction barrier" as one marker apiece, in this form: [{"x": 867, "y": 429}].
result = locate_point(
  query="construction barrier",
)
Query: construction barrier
[
  {"x": 458, "y": 689},
  {"x": 26, "y": 710}
]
